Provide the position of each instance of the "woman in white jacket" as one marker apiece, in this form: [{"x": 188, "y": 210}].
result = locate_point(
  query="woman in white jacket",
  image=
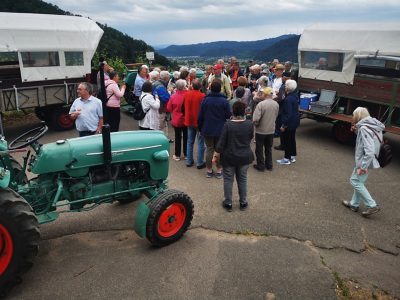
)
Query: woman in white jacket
[
  {"x": 367, "y": 147},
  {"x": 150, "y": 105}
]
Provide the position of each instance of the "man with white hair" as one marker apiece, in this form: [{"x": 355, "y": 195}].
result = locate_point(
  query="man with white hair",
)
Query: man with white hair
[
  {"x": 154, "y": 76},
  {"x": 255, "y": 74},
  {"x": 290, "y": 122},
  {"x": 140, "y": 79}
]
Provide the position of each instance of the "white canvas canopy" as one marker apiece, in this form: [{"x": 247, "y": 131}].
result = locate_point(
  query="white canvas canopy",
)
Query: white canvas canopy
[
  {"x": 49, "y": 33},
  {"x": 353, "y": 41}
]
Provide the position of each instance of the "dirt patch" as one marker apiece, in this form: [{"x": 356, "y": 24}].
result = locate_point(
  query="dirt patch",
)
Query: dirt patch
[
  {"x": 348, "y": 289},
  {"x": 16, "y": 119}
]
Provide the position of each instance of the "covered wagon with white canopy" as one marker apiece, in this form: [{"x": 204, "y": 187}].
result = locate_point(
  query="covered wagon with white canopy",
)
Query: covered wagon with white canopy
[
  {"x": 42, "y": 58},
  {"x": 351, "y": 65}
]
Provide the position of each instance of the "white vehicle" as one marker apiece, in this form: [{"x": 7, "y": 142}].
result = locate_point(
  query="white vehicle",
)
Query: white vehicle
[
  {"x": 42, "y": 58},
  {"x": 350, "y": 65}
]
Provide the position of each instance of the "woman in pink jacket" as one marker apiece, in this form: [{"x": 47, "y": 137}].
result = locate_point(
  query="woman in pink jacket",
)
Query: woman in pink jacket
[
  {"x": 113, "y": 104},
  {"x": 175, "y": 107}
]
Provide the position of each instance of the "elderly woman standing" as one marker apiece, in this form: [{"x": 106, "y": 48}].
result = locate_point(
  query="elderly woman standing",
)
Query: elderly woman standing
[
  {"x": 113, "y": 104},
  {"x": 233, "y": 149},
  {"x": 290, "y": 122},
  {"x": 150, "y": 106},
  {"x": 369, "y": 132},
  {"x": 174, "y": 106}
]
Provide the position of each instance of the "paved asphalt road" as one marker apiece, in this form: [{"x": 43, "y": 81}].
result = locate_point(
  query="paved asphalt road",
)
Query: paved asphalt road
[{"x": 294, "y": 242}]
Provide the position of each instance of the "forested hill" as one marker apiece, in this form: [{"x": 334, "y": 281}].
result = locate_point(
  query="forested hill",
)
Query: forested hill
[
  {"x": 113, "y": 42},
  {"x": 285, "y": 49},
  {"x": 253, "y": 49}
]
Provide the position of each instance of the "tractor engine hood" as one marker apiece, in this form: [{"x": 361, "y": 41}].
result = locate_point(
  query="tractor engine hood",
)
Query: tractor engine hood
[{"x": 82, "y": 153}]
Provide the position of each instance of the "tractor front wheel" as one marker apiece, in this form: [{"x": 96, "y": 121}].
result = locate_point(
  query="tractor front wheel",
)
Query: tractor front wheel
[
  {"x": 170, "y": 216},
  {"x": 19, "y": 238}
]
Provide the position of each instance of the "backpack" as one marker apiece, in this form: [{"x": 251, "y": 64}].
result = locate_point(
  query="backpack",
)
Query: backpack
[
  {"x": 138, "y": 113},
  {"x": 384, "y": 156}
]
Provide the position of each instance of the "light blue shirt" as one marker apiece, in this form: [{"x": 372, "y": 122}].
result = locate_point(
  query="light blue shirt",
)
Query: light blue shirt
[
  {"x": 138, "y": 85},
  {"x": 91, "y": 112}
]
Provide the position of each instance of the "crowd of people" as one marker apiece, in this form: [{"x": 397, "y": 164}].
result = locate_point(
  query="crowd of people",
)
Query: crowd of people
[{"x": 222, "y": 113}]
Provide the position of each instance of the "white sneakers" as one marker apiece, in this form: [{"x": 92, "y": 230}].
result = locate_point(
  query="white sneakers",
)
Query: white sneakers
[{"x": 285, "y": 161}]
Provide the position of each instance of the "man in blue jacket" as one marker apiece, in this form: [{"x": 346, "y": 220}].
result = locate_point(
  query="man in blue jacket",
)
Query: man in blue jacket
[{"x": 214, "y": 112}]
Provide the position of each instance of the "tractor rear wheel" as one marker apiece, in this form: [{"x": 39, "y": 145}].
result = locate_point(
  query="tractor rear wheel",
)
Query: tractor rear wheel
[
  {"x": 60, "y": 119},
  {"x": 19, "y": 238},
  {"x": 170, "y": 216}
]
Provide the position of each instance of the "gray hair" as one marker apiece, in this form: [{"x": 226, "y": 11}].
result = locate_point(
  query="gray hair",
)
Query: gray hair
[
  {"x": 290, "y": 85},
  {"x": 180, "y": 84},
  {"x": 220, "y": 61},
  {"x": 192, "y": 70},
  {"x": 154, "y": 75},
  {"x": 87, "y": 87},
  {"x": 157, "y": 69},
  {"x": 263, "y": 81},
  {"x": 360, "y": 113},
  {"x": 184, "y": 68},
  {"x": 176, "y": 74},
  {"x": 164, "y": 75}
]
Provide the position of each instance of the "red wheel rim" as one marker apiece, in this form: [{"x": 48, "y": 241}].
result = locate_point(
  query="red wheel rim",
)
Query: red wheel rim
[
  {"x": 64, "y": 120},
  {"x": 171, "y": 220},
  {"x": 6, "y": 249}
]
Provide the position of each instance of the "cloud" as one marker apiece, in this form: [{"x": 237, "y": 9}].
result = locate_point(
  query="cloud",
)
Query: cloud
[{"x": 188, "y": 21}]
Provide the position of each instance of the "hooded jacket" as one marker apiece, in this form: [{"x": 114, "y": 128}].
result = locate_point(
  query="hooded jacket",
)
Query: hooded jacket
[{"x": 367, "y": 143}]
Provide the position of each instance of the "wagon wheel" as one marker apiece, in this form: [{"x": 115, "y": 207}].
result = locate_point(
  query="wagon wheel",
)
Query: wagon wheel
[
  {"x": 19, "y": 238},
  {"x": 170, "y": 216}
]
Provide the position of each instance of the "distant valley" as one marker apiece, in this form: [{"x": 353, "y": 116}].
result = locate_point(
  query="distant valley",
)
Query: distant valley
[{"x": 283, "y": 47}]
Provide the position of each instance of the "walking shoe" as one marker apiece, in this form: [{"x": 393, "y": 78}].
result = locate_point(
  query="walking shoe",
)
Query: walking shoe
[
  {"x": 280, "y": 148},
  {"x": 177, "y": 158},
  {"x": 258, "y": 168},
  {"x": 201, "y": 166},
  {"x": 348, "y": 205},
  {"x": 189, "y": 165},
  {"x": 243, "y": 206},
  {"x": 293, "y": 159},
  {"x": 210, "y": 174},
  {"x": 370, "y": 210},
  {"x": 171, "y": 141},
  {"x": 218, "y": 175},
  {"x": 283, "y": 161},
  {"x": 228, "y": 207},
  {"x": 268, "y": 168}
]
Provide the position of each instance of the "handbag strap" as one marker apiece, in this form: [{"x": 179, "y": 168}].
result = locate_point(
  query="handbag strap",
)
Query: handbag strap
[{"x": 376, "y": 134}]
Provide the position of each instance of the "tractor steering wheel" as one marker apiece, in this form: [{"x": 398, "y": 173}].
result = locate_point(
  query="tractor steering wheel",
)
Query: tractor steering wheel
[{"x": 28, "y": 137}]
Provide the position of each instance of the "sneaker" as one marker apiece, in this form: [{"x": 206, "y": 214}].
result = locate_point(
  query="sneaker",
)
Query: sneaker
[
  {"x": 218, "y": 175},
  {"x": 293, "y": 159},
  {"x": 228, "y": 207},
  {"x": 243, "y": 206},
  {"x": 177, "y": 158},
  {"x": 258, "y": 168},
  {"x": 189, "y": 165},
  {"x": 370, "y": 210},
  {"x": 283, "y": 161},
  {"x": 202, "y": 166},
  {"x": 280, "y": 148},
  {"x": 210, "y": 174},
  {"x": 348, "y": 205}
]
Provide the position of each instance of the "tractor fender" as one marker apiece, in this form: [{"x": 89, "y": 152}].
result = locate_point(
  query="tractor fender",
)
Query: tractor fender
[{"x": 142, "y": 214}]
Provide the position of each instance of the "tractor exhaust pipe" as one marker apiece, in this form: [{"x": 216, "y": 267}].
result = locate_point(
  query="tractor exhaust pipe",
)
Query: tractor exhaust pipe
[{"x": 106, "y": 144}]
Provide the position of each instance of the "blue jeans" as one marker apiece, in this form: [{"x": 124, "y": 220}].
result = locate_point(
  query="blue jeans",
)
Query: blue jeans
[
  {"x": 360, "y": 191},
  {"x": 193, "y": 133},
  {"x": 241, "y": 179}
]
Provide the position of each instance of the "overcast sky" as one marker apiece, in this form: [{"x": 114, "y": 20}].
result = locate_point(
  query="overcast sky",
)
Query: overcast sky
[{"x": 179, "y": 22}]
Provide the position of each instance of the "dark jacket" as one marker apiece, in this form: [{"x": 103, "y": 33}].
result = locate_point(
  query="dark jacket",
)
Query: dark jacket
[
  {"x": 214, "y": 112},
  {"x": 290, "y": 113},
  {"x": 234, "y": 143}
]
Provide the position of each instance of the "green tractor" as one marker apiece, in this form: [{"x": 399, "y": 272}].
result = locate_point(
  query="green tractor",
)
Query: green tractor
[{"x": 78, "y": 174}]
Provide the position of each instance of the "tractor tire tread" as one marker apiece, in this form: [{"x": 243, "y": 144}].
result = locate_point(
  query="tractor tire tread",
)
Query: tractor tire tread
[
  {"x": 17, "y": 214},
  {"x": 156, "y": 206}
]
